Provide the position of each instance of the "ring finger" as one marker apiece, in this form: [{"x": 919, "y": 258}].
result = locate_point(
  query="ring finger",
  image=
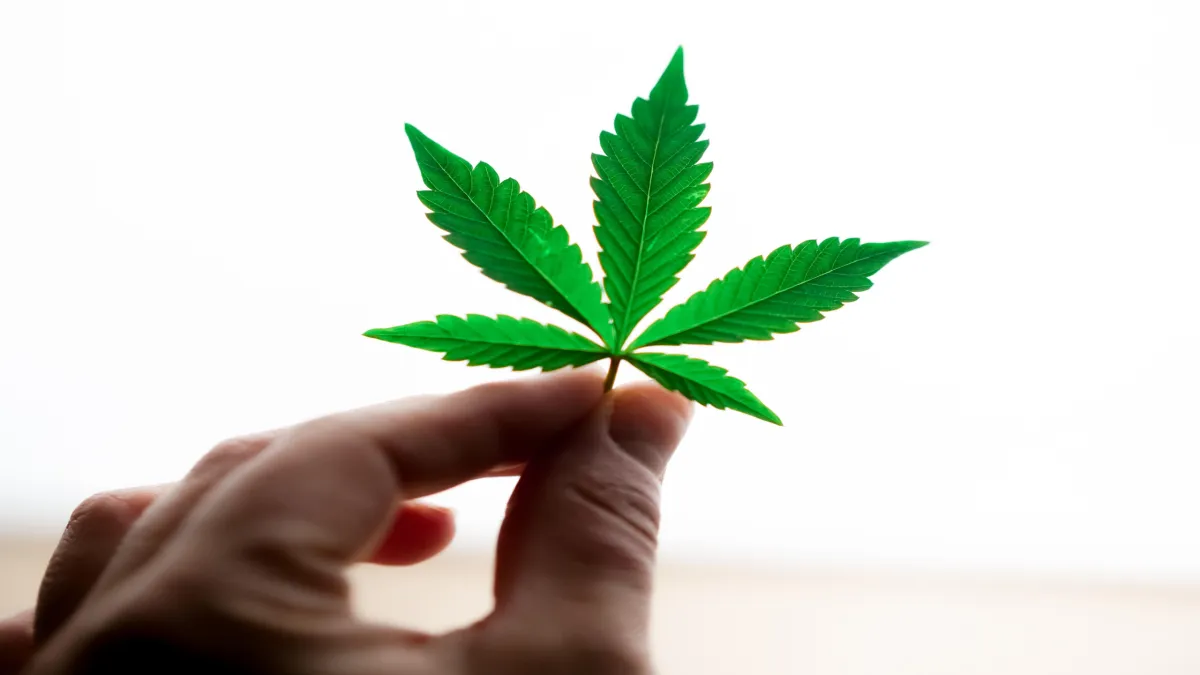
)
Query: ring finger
[{"x": 91, "y": 537}]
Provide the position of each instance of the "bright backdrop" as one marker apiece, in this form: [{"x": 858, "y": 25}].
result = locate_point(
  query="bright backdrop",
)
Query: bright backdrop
[{"x": 202, "y": 206}]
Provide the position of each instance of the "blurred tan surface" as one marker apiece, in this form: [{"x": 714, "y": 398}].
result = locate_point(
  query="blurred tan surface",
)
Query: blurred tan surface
[{"x": 811, "y": 621}]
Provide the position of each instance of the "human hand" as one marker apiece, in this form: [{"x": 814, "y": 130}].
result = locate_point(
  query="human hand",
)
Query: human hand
[{"x": 240, "y": 567}]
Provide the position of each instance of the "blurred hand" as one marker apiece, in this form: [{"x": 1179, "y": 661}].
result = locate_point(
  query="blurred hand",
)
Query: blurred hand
[{"x": 240, "y": 567}]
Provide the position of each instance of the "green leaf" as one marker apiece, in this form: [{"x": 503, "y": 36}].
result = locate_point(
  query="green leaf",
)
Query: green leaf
[
  {"x": 702, "y": 382},
  {"x": 648, "y": 191},
  {"x": 649, "y": 183},
  {"x": 791, "y": 286},
  {"x": 502, "y": 231},
  {"x": 500, "y": 342}
]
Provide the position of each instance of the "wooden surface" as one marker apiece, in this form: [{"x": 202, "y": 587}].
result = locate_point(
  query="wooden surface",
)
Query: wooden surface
[{"x": 811, "y": 621}]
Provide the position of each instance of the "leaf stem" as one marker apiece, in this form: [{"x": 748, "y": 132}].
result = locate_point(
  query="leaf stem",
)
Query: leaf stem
[{"x": 613, "y": 364}]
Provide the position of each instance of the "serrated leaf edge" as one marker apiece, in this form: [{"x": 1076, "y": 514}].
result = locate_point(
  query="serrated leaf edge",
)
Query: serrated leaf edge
[
  {"x": 636, "y": 360},
  {"x": 638, "y": 341},
  {"x": 608, "y": 338}
]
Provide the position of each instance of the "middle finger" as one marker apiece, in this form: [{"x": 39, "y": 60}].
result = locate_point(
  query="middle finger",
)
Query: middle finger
[{"x": 165, "y": 516}]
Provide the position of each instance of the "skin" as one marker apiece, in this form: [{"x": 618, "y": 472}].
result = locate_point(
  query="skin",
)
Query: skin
[{"x": 240, "y": 566}]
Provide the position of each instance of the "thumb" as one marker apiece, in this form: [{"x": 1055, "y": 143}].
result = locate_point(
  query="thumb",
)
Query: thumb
[{"x": 580, "y": 539}]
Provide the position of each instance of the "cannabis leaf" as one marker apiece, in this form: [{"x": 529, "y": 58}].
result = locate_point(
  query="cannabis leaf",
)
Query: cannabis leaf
[
  {"x": 792, "y": 285},
  {"x": 702, "y": 382},
  {"x": 648, "y": 188},
  {"x": 501, "y": 342},
  {"x": 647, "y": 198},
  {"x": 504, "y": 233}
]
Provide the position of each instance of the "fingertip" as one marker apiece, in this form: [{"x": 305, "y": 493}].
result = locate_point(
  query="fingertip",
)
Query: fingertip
[
  {"x": 644, "y": 412},
  {"x": 418, "y": 532}
]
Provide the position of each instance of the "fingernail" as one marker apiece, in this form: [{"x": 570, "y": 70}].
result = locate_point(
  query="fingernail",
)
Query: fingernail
[{"x": 437, "y": 508}]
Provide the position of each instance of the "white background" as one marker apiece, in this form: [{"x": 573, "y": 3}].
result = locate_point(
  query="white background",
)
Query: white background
[{"x": 203, "y": 205}]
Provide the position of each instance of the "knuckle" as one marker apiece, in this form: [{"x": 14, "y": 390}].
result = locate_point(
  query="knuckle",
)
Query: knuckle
[
  {"x": 632, "y": 505},
  {"x": 101, "y": 509},
  {"x": 618, "y": 522},
  {"x": 246, "y": 602},
  {"x": 328, "y": 426},
  {"x": 227, "y": 453}
]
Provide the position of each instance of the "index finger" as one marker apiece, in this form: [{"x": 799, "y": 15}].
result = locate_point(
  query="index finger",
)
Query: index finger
[{"x": 327, "y": 488}]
